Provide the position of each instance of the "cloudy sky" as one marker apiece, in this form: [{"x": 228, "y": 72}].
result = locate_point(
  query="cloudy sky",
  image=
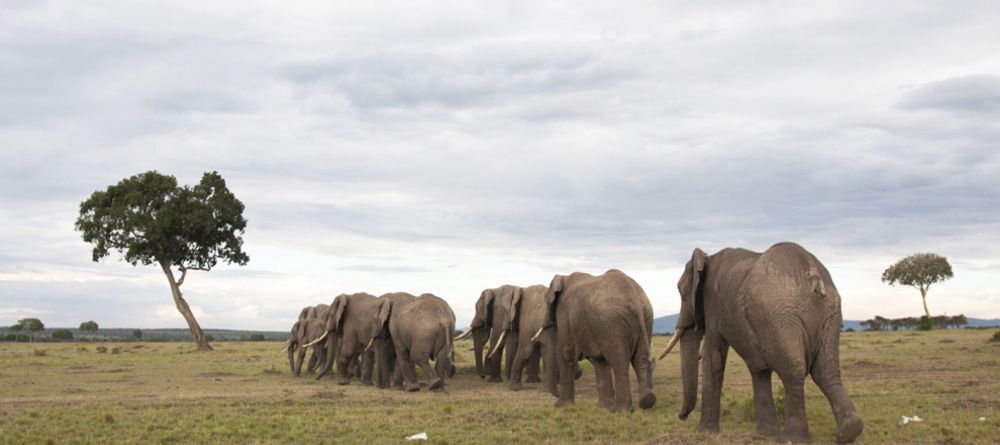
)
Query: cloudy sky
[{"x": 449, "y": 147}]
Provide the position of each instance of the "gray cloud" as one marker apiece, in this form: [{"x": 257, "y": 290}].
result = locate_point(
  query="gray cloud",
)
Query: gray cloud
[{"x": 975, "y": 94}]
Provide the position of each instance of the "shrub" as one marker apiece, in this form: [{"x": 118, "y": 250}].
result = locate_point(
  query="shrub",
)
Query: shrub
[
  {"x": 41, "y": 353},
  {"x": 256, "y": 337},
  {"x": 996, "y": 336},
  {"x": 926, "y": 324},
  {"x": 102, "y": 349},
  {"x": 62, "y": 334},
  {"x": 116, "y": 350}
]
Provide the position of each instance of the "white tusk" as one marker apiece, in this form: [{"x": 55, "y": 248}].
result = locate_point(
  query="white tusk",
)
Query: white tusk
[
  {"x": 316, "y": 341},
  {"x": 286, "y": 348},
  {"x": 498, "y": 345},
  {"x": 369, "y": 345},
  {"x": 673, "y": 342},
  {"x": 464, "y": 335},
  {"x": 538, "y": 334}
]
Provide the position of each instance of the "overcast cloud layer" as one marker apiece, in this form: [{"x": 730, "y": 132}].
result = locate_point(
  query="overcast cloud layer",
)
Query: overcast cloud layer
[{"x": 448, "y": 147}]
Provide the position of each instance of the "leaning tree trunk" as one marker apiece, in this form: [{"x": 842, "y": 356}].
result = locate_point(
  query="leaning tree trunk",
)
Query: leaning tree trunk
[
  {"x": 923, "y": 296},
  {"x": 184, "y": 309}
]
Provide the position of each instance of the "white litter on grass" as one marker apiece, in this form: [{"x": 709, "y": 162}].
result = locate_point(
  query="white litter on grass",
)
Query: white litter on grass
[
  {"x": 982, "y": 419},
  {"x": 906, "y": 419},
  {"x": 419, "y": 436}
]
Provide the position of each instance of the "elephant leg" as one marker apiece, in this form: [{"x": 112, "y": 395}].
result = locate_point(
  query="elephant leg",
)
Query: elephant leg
[
  {"x": 567, "y": 388},
  {"x": 344, "y": 364},
  {"x": 301, "y": 357},
  {"x": 434, "y": 382},
  {"x": 713, "y": 362},
  {"x": 291, "y": 357},
  {"x": 511, "y": 347},
  {"x": 522, "y": 357},
  {"x": 367, "y": 367},
  {"x": 796, "y": 426},
  {"x": 644, "y": 377},
  {"x": 533, "y": 365},
  {"x": 313, "y": 358},
  {"x": 763, "y": 404},
  {"x": 605, "y": 385},
  {"x": 493, "y": 363},
  {"x": 407, "y": 370},
  {"x": 623, "y": 389},
  {"x": 551, "y": 369},
  {"x": 826, "y": 374}
]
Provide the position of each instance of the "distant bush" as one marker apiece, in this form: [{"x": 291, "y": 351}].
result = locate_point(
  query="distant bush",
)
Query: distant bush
[
  {"x": 137, "y": 333},
  {"x": 209, "y": 338},
  {"x": 257, "y": 337},
  {"x": 41, "y": 353},
  {"x": 925, "y": 324},
  {"x": 116, "y": 350},
  {"x": 996, "y": 336},
  {"x": 62, "y": 334},
  {"x": 102, "y": 349}
]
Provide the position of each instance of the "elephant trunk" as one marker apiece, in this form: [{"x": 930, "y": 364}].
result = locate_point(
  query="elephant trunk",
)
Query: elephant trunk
[
  {"x": 479, "y": 338},
  {"x": 690, "y": 352},
  {"x": 291, "y": 359}
]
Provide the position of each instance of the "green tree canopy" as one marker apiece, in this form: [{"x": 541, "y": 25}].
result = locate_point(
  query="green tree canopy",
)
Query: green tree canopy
[
  {"x": 149, "y": 219},
  {"x": 31, "y": 325},
  {"x": 89, "y": 326},
  {"x": 920, "y": 271}
]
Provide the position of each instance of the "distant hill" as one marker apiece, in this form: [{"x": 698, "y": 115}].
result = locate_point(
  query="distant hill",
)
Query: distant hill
[{"x": 666, "y": 324}]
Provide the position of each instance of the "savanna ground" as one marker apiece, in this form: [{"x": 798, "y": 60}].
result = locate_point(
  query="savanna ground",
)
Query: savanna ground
[{"x": 243, "y": 393}]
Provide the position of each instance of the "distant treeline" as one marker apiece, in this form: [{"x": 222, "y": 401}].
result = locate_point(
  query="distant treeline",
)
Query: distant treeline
[
  {"x": 880, "y": 323},
  {"x": 146, "y": 335}
]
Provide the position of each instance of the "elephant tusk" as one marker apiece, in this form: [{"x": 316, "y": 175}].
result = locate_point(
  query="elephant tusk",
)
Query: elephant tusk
[
  {"x": 286, "y": 348},
  {"x": 369, "y": 345},
  {"x": 317, "y": 340},
  {"x": 464, "y": 335},
  {"x": 673, "y": 342},
  {"x": 537, "y": 334},
  {"x": 498, "y": 345}
]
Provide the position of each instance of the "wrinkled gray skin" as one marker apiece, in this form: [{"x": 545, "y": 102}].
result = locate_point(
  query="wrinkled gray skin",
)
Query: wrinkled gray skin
[
  {"x": 299, "y": 337},
  {"x": 421, "y": 331},
  {"x": 781, "y": 312},
  {"x": 487, "y": 325},
  {"x": 350, "y": 323},
  {"x": 608, "y": 320},
  {"x": 385, "y": 351},
  {"x": 525, "y": 315}
]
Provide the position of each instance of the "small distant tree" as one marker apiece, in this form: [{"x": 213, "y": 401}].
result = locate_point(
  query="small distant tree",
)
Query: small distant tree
[
  {"x": 31, "y": 325},
  {"x": 152, "y": 220},
  {"x": 920, "y": 271},
  {"x": 959, "y": 320},
  {"x": 89, "y": 326},
  {"x": 137, "y": 333},
  {"x": 62, "y": 334}
]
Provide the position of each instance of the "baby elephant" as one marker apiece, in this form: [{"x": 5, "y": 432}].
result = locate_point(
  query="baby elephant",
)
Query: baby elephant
[{"x": 421, "y": 331}]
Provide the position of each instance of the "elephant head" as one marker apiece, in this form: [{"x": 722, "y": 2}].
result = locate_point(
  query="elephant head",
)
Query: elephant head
[
  {"x": 332, "y": 328},
  {"x": 510, "y": 304},
  {"x": 690, "y": 327},
  {"x": 481, "y": 326}
]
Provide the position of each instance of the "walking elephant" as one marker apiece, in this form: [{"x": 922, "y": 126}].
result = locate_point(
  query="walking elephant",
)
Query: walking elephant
[
  {"x": 525, "y": 315},
  {"x": 350, "y": 324},
  {"x": 421, "y": 331},
  {"x": 781, "y": 313},
  {"x": 299, "y": 337},
  {"x": 386, "y": 371},
  {"x": 487, "y": 326},
  {"x": 608, "y": 320}
]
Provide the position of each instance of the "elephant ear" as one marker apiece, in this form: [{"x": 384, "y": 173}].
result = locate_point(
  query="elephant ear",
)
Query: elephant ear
[
  {"x": 337, "y": 311},
  {"x": 552, "y": 299},
  {"x": 690, "y": 287},
  {"x": 384, "y": 310},
  {"x": 304, "y": 314},
  {"x": 480, "y": 318},
  {"x": 512, "y": 311}
]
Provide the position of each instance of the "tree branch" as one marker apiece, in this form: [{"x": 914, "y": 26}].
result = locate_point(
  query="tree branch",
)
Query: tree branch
[{"x": 184, "y": 272}]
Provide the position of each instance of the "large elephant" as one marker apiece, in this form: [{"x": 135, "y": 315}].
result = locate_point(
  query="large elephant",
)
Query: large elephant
[
  {"x": 608, "y": 320},
  {"x": 525, "y": 315},
  {"x": 781, "y": 313},
  {"x": 386, "y": 371},
  {"x": 350, "y": 324},
  {"x": 487, "y": 326},
  {"x": 421, "y": 331}
]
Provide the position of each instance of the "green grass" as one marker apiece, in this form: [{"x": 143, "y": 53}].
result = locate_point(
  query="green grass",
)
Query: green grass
[{"x": 243, "y": 393}]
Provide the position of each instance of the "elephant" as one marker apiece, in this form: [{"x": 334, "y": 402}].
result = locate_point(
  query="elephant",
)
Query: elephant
[
  {"x": 780, "y": 311},
  {"x": 350, "y": 322},
  {"x": 608, "y": 320},
  {"x": 487, "y": 326},
  {"x": 421, "y": 331},
  {"x": 385, "y": 351},
  {"x": 525, "y": 314},
  {"x": 300, "y": 336}
]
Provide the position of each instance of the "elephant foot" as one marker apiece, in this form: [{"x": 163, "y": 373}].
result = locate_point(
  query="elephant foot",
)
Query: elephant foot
[
  {"x": 533, "y": 379},
  {"x": 367, "y": 383},
  {"x": 794, "y": 437},
  {"x": 621, "y": 408},
  {"x": 436, "y": 385},
  {"x": 413, "y": 388},
  {"x": 516, "y": 386},
  {"x": 647, "y": 401},
  {"x": 343, "y": 382},
  {"x": 561, "y": 403},
  {"x": 850, "y": 428},
  {"x": 494, "y": 379},
  {"x": 768, "y": 430},
  {"x": 710, "y": 429}
]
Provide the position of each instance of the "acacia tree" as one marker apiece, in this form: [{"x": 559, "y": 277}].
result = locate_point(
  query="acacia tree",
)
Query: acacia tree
[
  {"x": 89, "y": 326},
  {"x": 31, "y": 325},
  {"x": 149, "y": 219},
  {"x": 920, "y": 271}
]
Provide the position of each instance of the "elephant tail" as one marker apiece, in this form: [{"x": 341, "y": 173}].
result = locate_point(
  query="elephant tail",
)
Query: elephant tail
[{"x": 815, "y": 278}]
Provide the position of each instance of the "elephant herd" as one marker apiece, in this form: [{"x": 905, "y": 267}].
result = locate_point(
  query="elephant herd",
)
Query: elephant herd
[{"x": 778, "y": 309}]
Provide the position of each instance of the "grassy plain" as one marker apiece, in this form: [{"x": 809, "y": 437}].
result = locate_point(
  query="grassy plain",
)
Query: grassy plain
[{"x": 243, "y": 393}]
